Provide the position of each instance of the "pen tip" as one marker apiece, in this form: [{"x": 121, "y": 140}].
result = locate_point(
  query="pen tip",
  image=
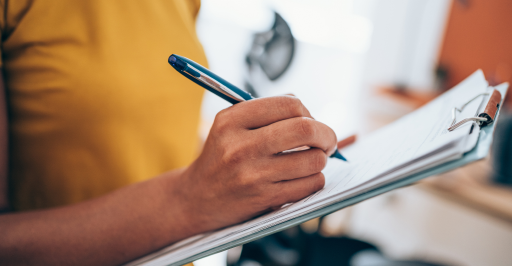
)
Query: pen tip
[
  {"x": 172, "y": 59},
  {"x": 338, "y": 155},
  {"x": 177, "y": 63}
]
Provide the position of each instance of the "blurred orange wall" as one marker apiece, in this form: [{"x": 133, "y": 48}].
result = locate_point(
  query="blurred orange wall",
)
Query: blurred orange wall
[{"x": 478, "y": 35}]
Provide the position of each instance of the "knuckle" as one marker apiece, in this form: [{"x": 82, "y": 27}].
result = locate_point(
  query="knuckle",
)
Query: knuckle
[
  {"x": 272, "y": 202},
  {"x": 295, "y": 106},
  {"x": 258, "y": 192},
  {"x": 250, "y": 186},
  {"x": 291, "y": 105},
  {"x": 276, "y": 199},
  {"x": 222, "y": 121},
  {"x": 306, "y": 127},
  {"x": 317, "y": 160},
  {"x": 233, "y": 156},
  {"x": 245, "y": 183},
  {"x": 222, "y": 114},
  {"x": 318, "y": 181}
]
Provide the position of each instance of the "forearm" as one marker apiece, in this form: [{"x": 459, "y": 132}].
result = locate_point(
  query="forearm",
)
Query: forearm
[{"x": 112, "y": 229}]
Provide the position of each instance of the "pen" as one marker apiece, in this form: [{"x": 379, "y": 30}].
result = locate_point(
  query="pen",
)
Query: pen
[{"x": 217, "y": 85}]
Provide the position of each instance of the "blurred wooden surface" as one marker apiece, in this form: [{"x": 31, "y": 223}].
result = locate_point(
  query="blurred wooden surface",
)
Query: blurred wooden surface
[
  {"x": 407, "y": 96},
  {"x": 471, "y": 187}
]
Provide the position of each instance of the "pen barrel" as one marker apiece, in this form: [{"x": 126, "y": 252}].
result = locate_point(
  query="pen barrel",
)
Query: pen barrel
[{"x": 208, "y": 80}]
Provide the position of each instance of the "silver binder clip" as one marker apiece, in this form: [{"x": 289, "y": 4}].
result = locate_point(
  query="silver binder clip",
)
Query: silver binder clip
[{"x": 482, "y": 119}]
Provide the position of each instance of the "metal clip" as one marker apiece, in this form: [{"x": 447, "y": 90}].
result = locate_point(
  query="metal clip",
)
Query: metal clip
[
  {"x": 484, "y": 118},
  {"x": 454, "y": 125}
]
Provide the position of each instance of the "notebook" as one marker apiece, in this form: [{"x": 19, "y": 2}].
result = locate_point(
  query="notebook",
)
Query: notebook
[{"x": 414, "y": 147}]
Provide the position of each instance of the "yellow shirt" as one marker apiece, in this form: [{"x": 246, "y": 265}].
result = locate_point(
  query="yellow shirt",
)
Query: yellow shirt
[{"x": 93, "y": 103}]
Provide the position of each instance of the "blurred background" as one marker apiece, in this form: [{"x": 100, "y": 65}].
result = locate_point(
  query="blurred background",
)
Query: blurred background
[{"x": 357, "y": 66}]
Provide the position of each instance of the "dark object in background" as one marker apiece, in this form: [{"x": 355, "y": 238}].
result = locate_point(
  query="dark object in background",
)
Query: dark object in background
[
  {"x": 272, "y": 51},
  {"x": 502, "y": 151},
  {"x": 370, "y": 257},
  {"x": 442, "y": 75},
  {"x": 294, "y": 247},
  {"x": 333, "y": 251}
]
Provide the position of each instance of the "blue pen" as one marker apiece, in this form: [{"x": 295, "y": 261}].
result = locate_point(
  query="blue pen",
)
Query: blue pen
[{"x": 227, "y": 91}]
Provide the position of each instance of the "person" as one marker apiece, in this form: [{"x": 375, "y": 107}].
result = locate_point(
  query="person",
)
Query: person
[{"x": 98, "y": 136}]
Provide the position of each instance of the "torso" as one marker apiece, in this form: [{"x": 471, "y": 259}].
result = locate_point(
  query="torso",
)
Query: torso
[{"x": 93, "y": 104}]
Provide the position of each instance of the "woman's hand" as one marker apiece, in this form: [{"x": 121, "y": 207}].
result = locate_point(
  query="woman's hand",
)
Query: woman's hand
[{"x": 241, "y": 172}]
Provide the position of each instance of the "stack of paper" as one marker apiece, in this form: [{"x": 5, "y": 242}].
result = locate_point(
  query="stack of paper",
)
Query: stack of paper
[{"x": 414, "y": 143}]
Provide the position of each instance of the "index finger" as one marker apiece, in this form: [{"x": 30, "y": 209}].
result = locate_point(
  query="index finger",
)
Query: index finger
[{"x": 265, "y": 111}]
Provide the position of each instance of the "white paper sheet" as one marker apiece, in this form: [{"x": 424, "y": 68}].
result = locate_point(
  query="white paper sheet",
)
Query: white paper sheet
[{"x": 415, "y": 142}]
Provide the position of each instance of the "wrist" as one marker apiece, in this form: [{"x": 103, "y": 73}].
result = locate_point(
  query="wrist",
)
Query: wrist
[{"x": 178, "y": 204}]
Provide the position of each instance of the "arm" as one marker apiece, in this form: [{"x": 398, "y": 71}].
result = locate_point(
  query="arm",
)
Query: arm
[
  {"x": 109, "y": 230},
  {"x": 238, "y": 175}
]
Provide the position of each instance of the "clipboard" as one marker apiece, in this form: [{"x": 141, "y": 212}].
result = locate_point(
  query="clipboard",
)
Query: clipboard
[
  {"x": 480, "y": 151},
  {"x": 486, "y": 120}
]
